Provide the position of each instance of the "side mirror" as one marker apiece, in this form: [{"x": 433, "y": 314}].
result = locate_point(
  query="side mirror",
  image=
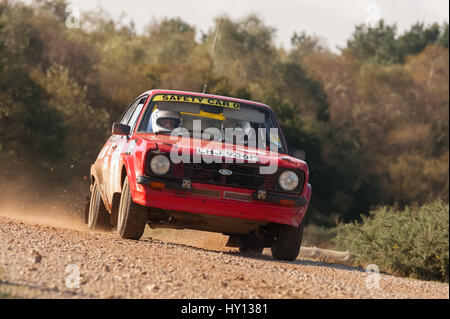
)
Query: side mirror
[
  {"x": 121, "y": 129},
  {"x": 300, "y": 154}
]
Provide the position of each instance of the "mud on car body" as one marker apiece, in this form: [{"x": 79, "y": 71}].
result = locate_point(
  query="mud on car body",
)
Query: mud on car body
[{"x": 174, "y": 160}]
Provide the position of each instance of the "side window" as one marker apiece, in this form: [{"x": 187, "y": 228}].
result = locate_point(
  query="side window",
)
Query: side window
[
  {"x": 137, "y": 111},
  {"x": 146, "y": 123},
  {"x": 275, "y": 139},
  {"x": 126, "y": 116}
]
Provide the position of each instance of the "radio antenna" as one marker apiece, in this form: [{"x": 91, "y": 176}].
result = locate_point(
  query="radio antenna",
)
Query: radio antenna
[{"x": 212, "y": 54}]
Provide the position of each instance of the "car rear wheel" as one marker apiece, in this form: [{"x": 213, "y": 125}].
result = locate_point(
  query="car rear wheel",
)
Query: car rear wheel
[
  {"x": 98, "y": 217},
  {"x": 250, "y": 244},
  {"x": 132, "y": 217},
  {"x": 288, "y": 242}
]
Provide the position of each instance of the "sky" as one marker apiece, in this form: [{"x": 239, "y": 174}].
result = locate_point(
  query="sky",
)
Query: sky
[{"x": 330, "y": 19}]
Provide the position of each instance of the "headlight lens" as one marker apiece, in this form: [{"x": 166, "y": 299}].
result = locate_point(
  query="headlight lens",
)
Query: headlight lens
[
  {"x": 160, "y": 164},
  {"x": 288, "y": 180}
]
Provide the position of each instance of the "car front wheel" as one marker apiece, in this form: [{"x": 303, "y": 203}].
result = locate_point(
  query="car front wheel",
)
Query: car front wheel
[
  {"x": 98, "y": 217},
  {"x": 132, "y": 217},
  {"x": 288, "y": 242}
]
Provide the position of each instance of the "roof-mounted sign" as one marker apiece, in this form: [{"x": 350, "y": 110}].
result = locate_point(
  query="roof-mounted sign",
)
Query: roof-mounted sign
[{"x": 198, "y": 100}]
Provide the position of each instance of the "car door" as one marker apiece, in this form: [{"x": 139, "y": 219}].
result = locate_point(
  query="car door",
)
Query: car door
[
  {"x": 103, "y": 160},
  {"x": 108, "y": 152},
  {"x": 119, "y": 145}
]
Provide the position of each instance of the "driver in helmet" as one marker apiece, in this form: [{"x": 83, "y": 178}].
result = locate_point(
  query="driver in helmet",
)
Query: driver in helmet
[
  {"x": 242, "y": 129},
  {"x": 165, "y": 121}
]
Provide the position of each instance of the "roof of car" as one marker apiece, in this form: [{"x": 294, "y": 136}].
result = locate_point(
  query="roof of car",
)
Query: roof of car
[{"x": 162, "y": 91}]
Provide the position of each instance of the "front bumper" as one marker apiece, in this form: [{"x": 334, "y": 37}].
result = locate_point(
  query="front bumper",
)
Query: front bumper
[{"x": 223, "y": 201}]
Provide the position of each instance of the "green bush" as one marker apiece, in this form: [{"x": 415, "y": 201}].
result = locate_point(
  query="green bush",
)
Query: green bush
[{"x": 412, "y": 242}]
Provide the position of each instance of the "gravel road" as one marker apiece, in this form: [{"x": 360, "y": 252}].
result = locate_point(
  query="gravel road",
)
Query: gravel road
[{"x": 41, "y": 259}]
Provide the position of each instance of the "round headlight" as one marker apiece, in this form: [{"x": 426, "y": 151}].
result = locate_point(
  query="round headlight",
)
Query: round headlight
[
  {"x": 160, "y": 164},
  {"x": 288, "y": 180}
]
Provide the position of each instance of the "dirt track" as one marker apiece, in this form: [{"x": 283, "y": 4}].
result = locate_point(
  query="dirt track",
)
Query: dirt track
[{"x": 34, "y": 255}]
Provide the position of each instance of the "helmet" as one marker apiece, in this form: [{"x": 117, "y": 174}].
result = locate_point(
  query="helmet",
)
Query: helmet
[
  {"x": 241, "y": 127},
  {"x": 247, "y": 128},
  {"x": 164, "y": 121}
]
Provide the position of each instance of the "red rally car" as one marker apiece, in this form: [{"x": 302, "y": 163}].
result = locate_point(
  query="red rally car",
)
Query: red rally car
[{"x": 187, "y": 160}]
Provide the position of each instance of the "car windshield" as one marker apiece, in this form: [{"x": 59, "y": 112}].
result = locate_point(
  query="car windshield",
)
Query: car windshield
[{"x": 213, "y": 119}]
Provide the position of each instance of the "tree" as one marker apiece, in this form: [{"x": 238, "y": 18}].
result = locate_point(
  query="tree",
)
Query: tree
[
  {"x": 383, "y": 46},
  {"x": 416, "y": 39},
  {"x": 377, "y": 45},
  {"x": 443, "y": 38},
  {"x": 30, "y": 131}
]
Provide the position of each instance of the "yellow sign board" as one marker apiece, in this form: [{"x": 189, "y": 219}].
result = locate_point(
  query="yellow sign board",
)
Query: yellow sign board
[
  {"x": 208, "y": 115},
  {"x": 198, "y": 100}
]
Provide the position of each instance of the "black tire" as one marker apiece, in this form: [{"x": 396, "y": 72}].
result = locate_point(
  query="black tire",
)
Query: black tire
[
  {"x": 132, "y": 217},
  {"x": 288, "y": 242},
  {"x": 98, "y": 218},
  {"x": 250, "y": 245}
]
